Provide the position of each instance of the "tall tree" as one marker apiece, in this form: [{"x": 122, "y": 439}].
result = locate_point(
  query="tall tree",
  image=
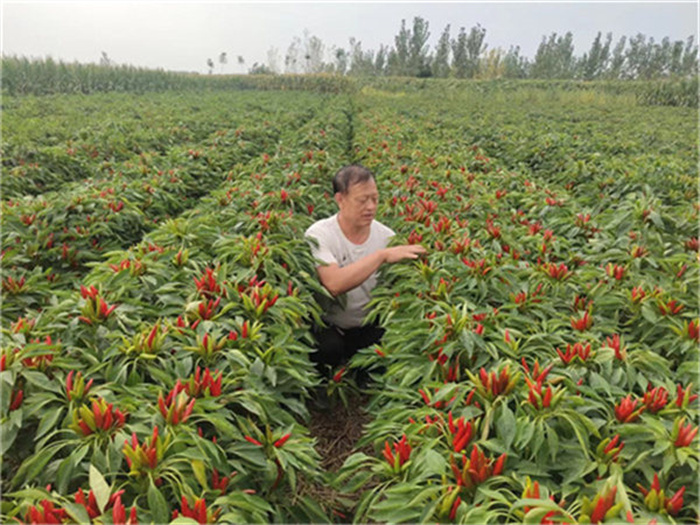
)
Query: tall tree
[
  {"x": 292, "y": 62},
  {"x": 555, "y": 57},
  {"x": 637, "y": 56},
  {"x": 492, "y": 65},
  {"x": 460, "y": 60},
  {"x": 689, "y": 62},
  {"x": 313, "y": 54},
  {"x": 223, "y": 59},
  {"x": 514, "y": 65},
  {"x": 361, "y": 62},
  {"x": 241, "y": 62},
  {"x": 400, "y": 53},
  {"x": 595, "y": 62},
  {"x": 210, "y": 65},
  {"x": 441, "y": 62},
  {"x": 617, "y": 59},
  {"x": 341, "y": 61},
  {"x": 418, "y": 60},
  {"x": 380, "y": 60},
  {"x": 475, "y": 47}
]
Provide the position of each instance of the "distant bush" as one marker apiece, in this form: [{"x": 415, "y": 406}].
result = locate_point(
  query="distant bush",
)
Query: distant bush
[
  {"x": 23, "y": 76},
  {"x": 681, "y": 92}
]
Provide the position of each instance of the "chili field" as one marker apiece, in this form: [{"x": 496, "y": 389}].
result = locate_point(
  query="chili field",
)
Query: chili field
[{"x": 540, "y": 364}]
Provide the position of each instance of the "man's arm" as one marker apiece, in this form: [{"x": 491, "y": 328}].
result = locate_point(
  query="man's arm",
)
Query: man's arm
[{"x": 339, "y": 280}]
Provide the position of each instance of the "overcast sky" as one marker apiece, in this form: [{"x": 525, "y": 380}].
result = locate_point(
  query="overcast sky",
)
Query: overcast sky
[{"x": 181, "y": 35}]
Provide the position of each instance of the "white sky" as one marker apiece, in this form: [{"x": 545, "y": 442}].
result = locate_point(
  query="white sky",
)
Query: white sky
[{"x": 181, "y": 35}]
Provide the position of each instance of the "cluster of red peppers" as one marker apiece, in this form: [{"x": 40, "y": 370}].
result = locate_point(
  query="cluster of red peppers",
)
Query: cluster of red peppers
[
  {"x": 683, "y": 434},
  {"x": 177, "y": 406},
  {"x": 575, "y": 352},
  {"x": 609, "y": 449},
  {"x": 202, "y": 385},
  {"x": 582, "y": 323},
  {"x": 207, "y": 345},
  {"x": 143, "y": 458},
  {"x": 400, "y": 455},
  {"x": 654, "y": 400},
  {"x": 257, "y": 297},
  {"x": 657, "y": 501},
  {"x": 615, "y": 343},
  {"x": 98, "y": 418},
  {"x": 147, "y": 343},
  {"x": 197, "y": 512},
  {"x": 615, "y": 271},
  {"x": 602, "y": 508},
  {"x": 207, "y": 284},
  {"x": 461, "y": 432},
  {"x": 490, "y": 385},
  {"x": 12, "y": 286},
  {"x": 626, "y": 410},
  {"x": 476, "y": 468},
  {"x": 95, "y": 309},
  {"x": 114, "y": 502},
  {"x": 76, "y": 387},
  {"x": 558, "y": 272},
  {"x": 46, "y": 515}
]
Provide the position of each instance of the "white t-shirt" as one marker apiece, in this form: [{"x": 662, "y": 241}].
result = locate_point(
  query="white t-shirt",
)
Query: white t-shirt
[{"x": 335, "y": 248}]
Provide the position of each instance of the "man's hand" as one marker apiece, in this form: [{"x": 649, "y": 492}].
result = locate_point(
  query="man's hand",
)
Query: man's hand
[
  {"x": 339, "y": 280},
  {"x": 405, "y": 251}
]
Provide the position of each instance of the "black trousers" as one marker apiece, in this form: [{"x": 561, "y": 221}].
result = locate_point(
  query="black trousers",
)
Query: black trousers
[{"x": 336, "y": 345}]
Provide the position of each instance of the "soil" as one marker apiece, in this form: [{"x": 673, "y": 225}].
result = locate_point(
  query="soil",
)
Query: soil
[{"x": 337, "y": 431}]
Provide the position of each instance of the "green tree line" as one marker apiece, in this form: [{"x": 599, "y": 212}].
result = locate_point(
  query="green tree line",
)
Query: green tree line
[{"x": 466, "y": 55}]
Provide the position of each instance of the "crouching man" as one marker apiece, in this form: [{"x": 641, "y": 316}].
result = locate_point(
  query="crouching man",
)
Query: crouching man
[{"x": 351, "y": 246}]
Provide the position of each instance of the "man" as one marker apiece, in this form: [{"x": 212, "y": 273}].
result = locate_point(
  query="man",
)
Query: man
[{"x": 352, "y": 246}]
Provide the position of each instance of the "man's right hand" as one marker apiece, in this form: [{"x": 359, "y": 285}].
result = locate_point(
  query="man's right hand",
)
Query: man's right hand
[{"x": 405, "y": 251}]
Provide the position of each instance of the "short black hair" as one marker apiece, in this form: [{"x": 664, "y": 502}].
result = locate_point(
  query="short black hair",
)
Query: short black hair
[{"x": 349, "y": 175}]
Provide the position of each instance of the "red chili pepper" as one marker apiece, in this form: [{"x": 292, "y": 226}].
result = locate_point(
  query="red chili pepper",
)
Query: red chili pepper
[
  {"x": 675, "y": 503},
  {"x": 500, "y": 462},
  {"x": 152, "y": 336},
  {"x": 686, "y": 434},
  {"x": 455, "y": 506},
  {"x": 69, "y": 383},
  {"x": 16, "y": 399},
  {"x": 682, "y": 394},
  {"x": 253, "y": 441},
  {"x": 626, "y": 410},
  {"x": 339, "y": 375},
  {"x": 281, "y": 441}
]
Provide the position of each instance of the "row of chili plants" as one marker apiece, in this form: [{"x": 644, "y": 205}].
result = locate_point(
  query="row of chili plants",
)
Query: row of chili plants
[
  {"x": 540, "y": 364},
  {"x": 169, "y": 382},
  {"x": 132, "y": 179}
]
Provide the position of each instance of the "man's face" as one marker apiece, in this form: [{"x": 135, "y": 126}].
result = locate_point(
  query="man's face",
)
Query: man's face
[{"x": 359, "y": 204}]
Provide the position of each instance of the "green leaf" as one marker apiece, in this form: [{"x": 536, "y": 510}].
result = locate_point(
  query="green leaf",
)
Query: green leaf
[
  {"x": 157, "y": 504},
  {"x": 8, "y": 433},
  {"x": 48, "y": 421},
  {"x": 33, "y": 465},
  {"x": 77, "y": 512},
  {"x": 552, "y": 443},
  {"x": 40, "y": 380},
  {"x": 99, "y": 487},
  {"x": 598, "y": 383},
  {"x": 200, "y": 473},
  {"x": 223, "y": 427},
  {"x": 506, "y": 426},
  {"x": 432, "y": 463}
]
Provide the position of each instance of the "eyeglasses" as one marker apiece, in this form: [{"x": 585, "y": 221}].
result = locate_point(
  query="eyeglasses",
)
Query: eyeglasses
[{"x": 374, "y": 199}]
